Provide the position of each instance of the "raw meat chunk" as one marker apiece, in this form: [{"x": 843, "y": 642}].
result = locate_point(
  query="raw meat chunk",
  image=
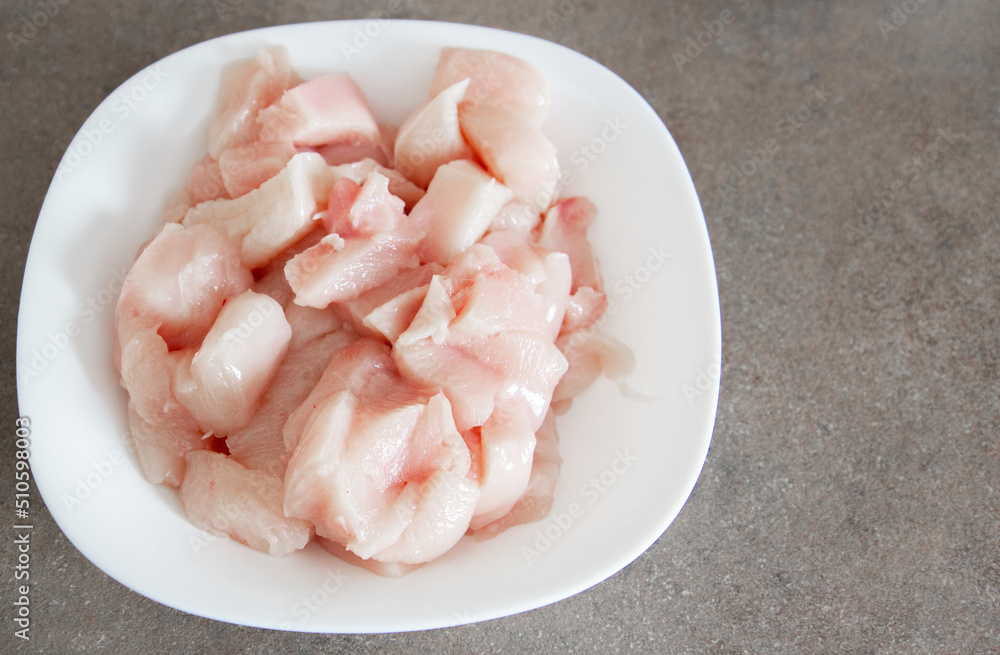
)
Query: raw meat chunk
[
  {"x": 461, "y": 202},
  {"x": 481, "y": 327},
  {"x": 508, "y": 444},
  {"x": 536, "y": 501},
  {"x": 565, "y": 229},
  {"x": 378, "y": 465},
  {"x": 371, "y": 240},
  {"x": 328, "y": 109},
  {"x": 225, "y": 499},
  {"x": 431, "y": 136},
  {"x": 275, "y": 215},
  {"x": 160, "y": 449},
  {"x": 389, "y": 308},
  {"x": 496, "y": 79},
  {"x": 206, "y": 182},
  {"x": 247, "y": 87},
  {"x": 244, "y": 168},
  {"x": 259, "y": 444},
  {"x": 234, "y": 364},
  {"x": 399, "y": 186},
  {"x": 515, "y": 152},
  {"x": 591, "y": 352},
  {"x": 516, "y": 216},
  {"x": 179, "y": 283}
]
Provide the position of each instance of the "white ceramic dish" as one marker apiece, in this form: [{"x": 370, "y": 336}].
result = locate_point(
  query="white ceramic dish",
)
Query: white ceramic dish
[{"x": 629, "y": 464}]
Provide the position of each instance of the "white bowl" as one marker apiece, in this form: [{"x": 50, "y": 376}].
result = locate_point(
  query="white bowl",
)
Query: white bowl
[{"x": 631, "y": 459}]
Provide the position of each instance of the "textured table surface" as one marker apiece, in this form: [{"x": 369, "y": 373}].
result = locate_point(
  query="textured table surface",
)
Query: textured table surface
[{"x": 845, "y": 156}]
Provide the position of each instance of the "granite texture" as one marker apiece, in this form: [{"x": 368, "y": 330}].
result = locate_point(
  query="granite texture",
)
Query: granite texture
[{"x": 851, "y": 498}]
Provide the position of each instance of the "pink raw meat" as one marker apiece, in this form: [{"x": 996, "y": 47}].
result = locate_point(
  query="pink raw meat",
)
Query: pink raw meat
[
  {"x": 248, "y": 86},
  {"x": 225, "y": 499},
  {"x": 272, "y": 217},
  {"x": 461, "y": 202},
  {"x": 225, "y": 377},
  {"x": 565, "y": 230},
  {"x": 245, "y": 168},
  {"x": 515, "y": 151},
  {"x": 329, "y": 109},
  {"x": 206, "y": 182},
  {"x": 496, "y": 79},
  {"x": 378, "y": 465},
  {"x": 431, "y": 136}
]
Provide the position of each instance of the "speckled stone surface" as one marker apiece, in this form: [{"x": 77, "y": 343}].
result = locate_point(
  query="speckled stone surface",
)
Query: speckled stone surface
[{"x": 845, "y": 155}]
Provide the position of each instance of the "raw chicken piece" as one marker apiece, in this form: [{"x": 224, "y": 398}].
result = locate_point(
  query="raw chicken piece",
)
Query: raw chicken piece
[
  {"x": 225, "y": 499},
  {"x": 160, "y": 448},
  {"x": 431, "y": 137},
  {"x": 337, "y": 154},
  {"x": 472, "y": 384},
  {"x": 536, "y": 501},
  {"x": 399, "y": 186},
  {"x": 547, "y": 272},
  {"x": 461, "y": 202},
  {"x": 531, "y": 366},
  {"x": 247, "y": 87},
  {"x": 244, "y": 168},
  {"x": 362, "y": 211},
  {"x": 584, "y": 308},
  {"x": 168, "y": 302},
  {"x": 591, "y": 352},
  {"x": 516, "y": 216},
  {"x": 339, "y": 269},
  {"x": 514, "y": 151},
  {"x": 496, "y": 79},
  {"x": 206, "y": 182},
  {"x": 565, "y": 229},
  {"x": 179, "y": 283},
  {"x": 329, "y": 109},
  {"x": 389, "y": 308},
  {"x": 384, "y": 569},
  {"x": 271, "y": 279},
  {"x": 495, "y": 300},
  {"x": 481, "y": 328},
  {"x": 259, "y": 444},
  {"x": 234, "y": 364},
  {"x": 275, "y": 215},
  {"x": 507, "y": 444},
  {"x": 378, "y": 240},
  {"x": 378, "y": 464}
]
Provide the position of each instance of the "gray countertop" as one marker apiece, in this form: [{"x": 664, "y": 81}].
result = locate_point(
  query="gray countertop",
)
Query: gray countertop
[{"x": 851, "y": 497}]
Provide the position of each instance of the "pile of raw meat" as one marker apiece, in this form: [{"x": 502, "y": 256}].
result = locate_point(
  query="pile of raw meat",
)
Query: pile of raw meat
[{"x": 360, "y": 334}]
